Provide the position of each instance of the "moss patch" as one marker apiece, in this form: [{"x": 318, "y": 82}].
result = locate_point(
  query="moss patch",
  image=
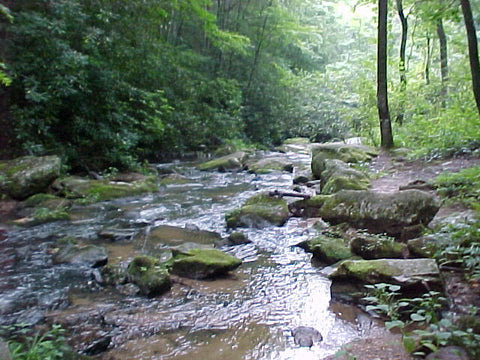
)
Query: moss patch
[
  {"x": 149, "y": 274},
  {"x": 259, "y": 211},
  {"x": 203, "y": 263}
]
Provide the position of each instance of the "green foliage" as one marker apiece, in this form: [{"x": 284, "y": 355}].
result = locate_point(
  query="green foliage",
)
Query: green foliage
[
  {"x": 463, "y": 251},
  {"x": 49, "y": 345},
  {"x": 424, "y": 312},
  {"x": 463, "y": 186}
]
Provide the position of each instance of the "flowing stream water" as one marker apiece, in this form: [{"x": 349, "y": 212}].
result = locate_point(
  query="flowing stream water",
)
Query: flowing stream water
[{"x": 246, "y": 315}]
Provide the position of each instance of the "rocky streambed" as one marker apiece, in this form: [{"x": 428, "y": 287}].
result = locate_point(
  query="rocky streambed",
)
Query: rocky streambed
[{"x": 77, "y": 270}]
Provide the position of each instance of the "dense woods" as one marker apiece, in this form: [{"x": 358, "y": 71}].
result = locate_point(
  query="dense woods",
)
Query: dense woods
[{"x": 112, "y": 83}]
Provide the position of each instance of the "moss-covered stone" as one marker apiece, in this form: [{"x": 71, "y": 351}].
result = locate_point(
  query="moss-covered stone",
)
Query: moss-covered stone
[
  {"x": 377, "y": 212},
  {"x": 327, "y": 248},
  {"x": 337, "y": 175},
  {"x": 230, "y": 162},
  {"x": 149, "y": 274},
  {"x": 25, "y": 176},
  {"x": 372, "y": 247},
  {"x": 100, "y": 190},
  {"x": 259, "y": 211},
  {"x": 173, "y": 236},
  {"x": 267, "y": 165},
  {"x": 345, "y": 152},
  {"x": 203, "y": 263},
  {"x": 404, "y": 272},
  {"x": 113, "y": 275}
]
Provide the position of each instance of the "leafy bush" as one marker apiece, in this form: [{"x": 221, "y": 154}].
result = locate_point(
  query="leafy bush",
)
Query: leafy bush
[
  {"x": 463, "y": 186},
  {"x": 49, "y": 345}
]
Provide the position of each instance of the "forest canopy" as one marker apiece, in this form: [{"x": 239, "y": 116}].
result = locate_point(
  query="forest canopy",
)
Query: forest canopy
[{"x": 113, "y": 83}]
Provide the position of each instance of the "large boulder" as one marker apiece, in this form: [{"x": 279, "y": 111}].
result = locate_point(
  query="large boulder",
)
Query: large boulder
[
  {"x": 408, "y": 273},
  {"x": 269, "y": 164},
  {"x": 377, "y": 212},
  {"x": 149, "y": 274},
  {"x": 338, "y": 175},
  {"x": 231, "y": 162},
  {"x": 203, "y": 263},
  {"x": 259, "y": 211},
  {"x": 26, "y": 176},
  {"x": 348, "y": 153},
  {"x": 328, "y": 248},
  {"x": 100, "y": 190},
  {"x": 90, "y": 255},
  {"x": 371, "y": 247}
]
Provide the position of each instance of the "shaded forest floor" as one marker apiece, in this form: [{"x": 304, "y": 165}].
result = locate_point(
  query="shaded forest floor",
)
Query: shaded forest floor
[{"x": 391, "y": 174}]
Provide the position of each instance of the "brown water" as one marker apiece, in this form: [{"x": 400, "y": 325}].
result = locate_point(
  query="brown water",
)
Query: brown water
[{"x": 247, "y": 315}]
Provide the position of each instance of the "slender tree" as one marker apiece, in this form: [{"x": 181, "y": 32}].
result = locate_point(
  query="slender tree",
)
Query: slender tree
[
  {"x": 443, "y": 58},
  {"x": 402, "y": 59},
  {"x": 472, "y": 49},
  {"x": 382, "y": 93}
]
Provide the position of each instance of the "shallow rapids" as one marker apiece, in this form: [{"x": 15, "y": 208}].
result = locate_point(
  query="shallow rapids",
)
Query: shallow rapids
[{"x": 247, "y": 315}]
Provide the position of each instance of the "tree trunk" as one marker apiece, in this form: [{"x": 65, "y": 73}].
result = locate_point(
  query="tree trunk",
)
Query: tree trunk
[
  {"x": 382, "y": 95},
  {"x": 402, "y": 61},
  {"x": 472, "y": 49},
  {"x": 428, "y": 60},
  {"x": 443, "y": 59}
]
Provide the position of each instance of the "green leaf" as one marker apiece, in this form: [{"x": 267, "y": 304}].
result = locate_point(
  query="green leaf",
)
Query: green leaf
[{"x": 417, "y": 317}]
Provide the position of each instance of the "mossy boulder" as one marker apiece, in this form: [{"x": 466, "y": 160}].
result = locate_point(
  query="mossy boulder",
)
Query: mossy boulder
[
  {"x": 371, "y": 247},
  {"x": 377, "y": 212},
  {"x": 259, "y": 211},
  {"x": 26, "y": 176},
  {"x": 327, "y": 248},
  {"x": 203, "y": 263},
  {"x": 347, "y": 153},
  {"x": 338, "y": 175},
  {"x": 102, "y": 190},
  {"x": 267, "y": 165},
  {"x": 90, "y": 255},
  {"x": 231, "y": 162},
  {"x": 403, "y": 272},
  {"x": 149, "y": 274},
  {"x": 113, "y": 275}
]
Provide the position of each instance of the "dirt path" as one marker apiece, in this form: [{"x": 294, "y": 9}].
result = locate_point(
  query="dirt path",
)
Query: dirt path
[{"x": 393, "y": 173}]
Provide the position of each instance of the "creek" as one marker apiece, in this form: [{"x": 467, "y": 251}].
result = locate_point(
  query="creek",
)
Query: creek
[{"x": 246, "y": 315}]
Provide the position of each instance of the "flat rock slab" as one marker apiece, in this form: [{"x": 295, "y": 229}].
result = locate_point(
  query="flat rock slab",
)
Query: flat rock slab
[{"x": 403, "y": 272}]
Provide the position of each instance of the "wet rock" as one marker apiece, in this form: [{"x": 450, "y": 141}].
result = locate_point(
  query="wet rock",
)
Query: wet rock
[
  {"x": 408, "y": 273},
  {"x": 149, "y": 275},
  {"x": 341, "y": 151},
  {"x": 113, "y": 275},
  {"x": 259, "y": 211},
  {"x": 231, "y": 162},
  {"x": 267, "y": 165},
  {"x": 328, "y": 248},
  {"x": 339, "y": 176},
  {"x": 238, "y": 238},
  {"x": 372, "y": 247},
  {"x": 306, "y": 336},
  {"x": 174, "y": 236},
  {"x": 91, "y": 255},
  {"x": 203, "y": 263},
  {"x": 377, "y": 212},
  {"x": 5, "y": 353},
  {"x": 449, "y": 353},
  {"x": 101, "y": 190},
  {"x": 115, "y": 234},
  {"x": 25, "y": 176},
  {"x": 98, "y": 346}
]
